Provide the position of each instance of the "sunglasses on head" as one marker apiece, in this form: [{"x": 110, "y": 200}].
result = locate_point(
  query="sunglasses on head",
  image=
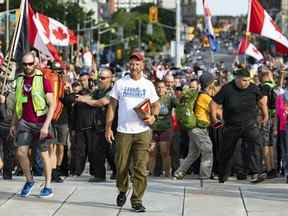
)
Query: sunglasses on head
[{"x": 28, "y": 63}]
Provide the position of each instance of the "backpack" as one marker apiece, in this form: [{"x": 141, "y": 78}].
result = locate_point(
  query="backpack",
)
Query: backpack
[
  {"x": 271, "y": 95},
  {"x": 57, "y": 85},
  {"x": 185, "y": 109}
]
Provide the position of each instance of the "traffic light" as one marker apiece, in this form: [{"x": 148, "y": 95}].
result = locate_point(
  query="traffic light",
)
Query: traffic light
[
  {"x": 153, "y": 14},
  {"x": 119, "y": 53},
  {"x": 189, "y": 33}
]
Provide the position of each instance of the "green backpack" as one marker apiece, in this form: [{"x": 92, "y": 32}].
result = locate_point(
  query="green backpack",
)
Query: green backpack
[{"x": 185, "y": 109}]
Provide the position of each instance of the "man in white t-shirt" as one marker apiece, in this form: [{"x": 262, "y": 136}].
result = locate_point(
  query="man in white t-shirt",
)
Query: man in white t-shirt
[{"x": 133, "y": 133}]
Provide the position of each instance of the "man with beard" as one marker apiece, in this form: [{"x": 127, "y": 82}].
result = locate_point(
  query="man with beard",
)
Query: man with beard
[
  {"x": 99, "y": 100},
  {"x": 33, "y": 114},
  {"x": 133, "y": 133},
  {"x": 239, "y": 100}
]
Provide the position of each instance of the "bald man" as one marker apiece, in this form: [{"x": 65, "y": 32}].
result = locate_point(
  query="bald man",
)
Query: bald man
[
  {"x": 100, "y": 149},
  {"x": 31, "y": 122}
]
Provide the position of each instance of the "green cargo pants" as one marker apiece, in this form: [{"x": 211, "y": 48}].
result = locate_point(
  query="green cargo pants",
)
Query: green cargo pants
[{"x": 134, "y": 147}]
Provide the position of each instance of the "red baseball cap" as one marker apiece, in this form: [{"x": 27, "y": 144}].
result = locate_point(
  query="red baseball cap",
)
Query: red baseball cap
[{"x": 138, "y": 55}]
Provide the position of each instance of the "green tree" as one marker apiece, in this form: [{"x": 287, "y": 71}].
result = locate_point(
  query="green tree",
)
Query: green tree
[
  {"x": 70, "y": 13},
  {"x": 130, "y": 21},
  {"x": 165, "y": 16}
]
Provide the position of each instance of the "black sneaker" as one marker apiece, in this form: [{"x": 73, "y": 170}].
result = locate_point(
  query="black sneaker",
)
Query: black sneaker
[
  {"x": 287, "y": 179},
  {"x": 121, "y": 199},
  {"x": 241, "y": 176},
  {"x": 139, "y": 207},
  {"x": 222, "y": 179},
  {"x": 113, "y": 176},
  {"x": 272, "y": 174},
  {"x": 257, "y": 178},
  {"x": 56, "y": 177},
  {"x": 97, "y": 179}
]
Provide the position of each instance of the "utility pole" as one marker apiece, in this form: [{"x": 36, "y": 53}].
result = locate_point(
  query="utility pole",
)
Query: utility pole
[
  {"x": 139, "y": 34},
  {"x": 178, "y": 34},
  {"x": 7, "y": 26}
]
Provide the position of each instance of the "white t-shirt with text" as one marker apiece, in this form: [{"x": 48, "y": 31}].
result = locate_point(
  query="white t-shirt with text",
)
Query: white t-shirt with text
[{"x": 129, "y": 93}]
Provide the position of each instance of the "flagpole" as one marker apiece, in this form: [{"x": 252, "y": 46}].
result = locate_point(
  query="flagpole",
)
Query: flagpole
[
  {"x": 12, "y": 46},
  {"x": 248, "y": 16},
  {"x": 248, "y": 27}
]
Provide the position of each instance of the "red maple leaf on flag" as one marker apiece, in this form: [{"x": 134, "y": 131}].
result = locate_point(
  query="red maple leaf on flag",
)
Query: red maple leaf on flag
[{"x": 59, "y": 33}]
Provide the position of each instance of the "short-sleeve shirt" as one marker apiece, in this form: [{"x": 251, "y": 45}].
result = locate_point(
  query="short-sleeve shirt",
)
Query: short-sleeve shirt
[
  {"x": 202, "y": 110},
  {"x": 239, "y": 105},
  {"x": 129, "y": 93},
  {"x": 167, "y": 103},
  {"x": 99, "y": 113},
  {"x": 29, "y": 114}
]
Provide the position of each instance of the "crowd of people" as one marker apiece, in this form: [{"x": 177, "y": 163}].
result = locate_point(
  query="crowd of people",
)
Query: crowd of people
[{"x": 207, "y": 123}]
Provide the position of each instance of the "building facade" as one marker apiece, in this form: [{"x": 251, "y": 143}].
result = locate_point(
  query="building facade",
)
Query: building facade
[
  {"x": 188, "y": 11},
  {"x": 129, "y": 4}
]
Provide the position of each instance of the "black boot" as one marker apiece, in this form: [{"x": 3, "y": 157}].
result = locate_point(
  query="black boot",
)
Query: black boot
[{"x": 56, "y": 176}]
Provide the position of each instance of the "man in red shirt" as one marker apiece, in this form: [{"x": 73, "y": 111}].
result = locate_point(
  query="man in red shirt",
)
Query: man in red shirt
[{"x": 33, "y": 114}]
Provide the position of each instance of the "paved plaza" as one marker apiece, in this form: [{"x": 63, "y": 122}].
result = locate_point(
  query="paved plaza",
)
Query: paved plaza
[{"x": 164, "y": 197}]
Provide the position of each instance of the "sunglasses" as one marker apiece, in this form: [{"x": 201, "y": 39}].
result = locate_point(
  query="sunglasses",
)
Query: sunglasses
[
  {"x": 103, "y": 78},
  {"x": 28, "y": 63}
]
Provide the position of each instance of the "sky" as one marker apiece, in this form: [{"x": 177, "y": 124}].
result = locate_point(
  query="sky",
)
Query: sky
[{"x": 224, "y": 7}]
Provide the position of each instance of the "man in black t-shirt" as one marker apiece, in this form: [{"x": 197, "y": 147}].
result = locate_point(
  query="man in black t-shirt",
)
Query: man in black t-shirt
[
  {"x": 100, "y": 149},
  {"x": 239, "y": 100}
]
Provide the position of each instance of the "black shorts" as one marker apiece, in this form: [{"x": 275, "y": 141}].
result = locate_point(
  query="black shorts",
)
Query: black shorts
[
  {"x": 60, "y": 133},
  {"x": 27, "y": 134}
]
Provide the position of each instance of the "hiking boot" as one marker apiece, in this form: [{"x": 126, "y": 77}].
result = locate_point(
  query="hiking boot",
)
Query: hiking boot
[
  {"x": 139, "y": 207},
  {"x": 27, "y": 189},
  {"x": 121, "y": 199}
]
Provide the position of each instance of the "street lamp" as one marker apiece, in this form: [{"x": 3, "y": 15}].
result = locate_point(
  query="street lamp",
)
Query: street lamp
[{"x": 90, "y": 29}]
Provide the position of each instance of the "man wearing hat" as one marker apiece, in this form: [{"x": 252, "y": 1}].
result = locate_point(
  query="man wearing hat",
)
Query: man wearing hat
[
  {"x": 133, "y": 132},
  {"x": 240, "y": 100}
]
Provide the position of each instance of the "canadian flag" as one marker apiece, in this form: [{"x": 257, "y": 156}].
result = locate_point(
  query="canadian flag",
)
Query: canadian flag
[
  {"x": 42, "y": 33},
  {"x": 53, "y": 31},
  {"x": 26, "y": 33},
  {"x": 247, "y": 48},
  {"x": 35, "y": 37},
  {"x": 260, "y": 22}
]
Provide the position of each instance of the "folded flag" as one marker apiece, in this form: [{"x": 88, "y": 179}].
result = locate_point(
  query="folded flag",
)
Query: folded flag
[
  {"x": 209, "y": 28},
  {"x": 247, "y": 48}
]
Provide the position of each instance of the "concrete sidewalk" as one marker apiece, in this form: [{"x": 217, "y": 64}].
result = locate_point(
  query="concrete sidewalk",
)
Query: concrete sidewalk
[{"x": 164, "y": 197}]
